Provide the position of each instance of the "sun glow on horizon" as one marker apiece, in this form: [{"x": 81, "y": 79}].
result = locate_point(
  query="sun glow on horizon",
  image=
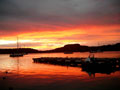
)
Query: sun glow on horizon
[
  {"x": 53, "y": 23},
  {"x": 46, "y": 40}
]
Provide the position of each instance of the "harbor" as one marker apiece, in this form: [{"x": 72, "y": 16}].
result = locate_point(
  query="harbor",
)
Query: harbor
[
  {"x": 70, "y": 73},
  {"x": 58, "y": 60},
  {"x": 92, "y": 66}
]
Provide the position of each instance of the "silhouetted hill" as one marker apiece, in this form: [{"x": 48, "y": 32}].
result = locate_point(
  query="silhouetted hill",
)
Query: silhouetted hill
[
  {"x": 20, "y": 50},
  {"x": 114, "y": 47},
  {"x": 66, "y": 48},
  {"x": 81, "y": 48},
  {"x": 71, "y": 48}
]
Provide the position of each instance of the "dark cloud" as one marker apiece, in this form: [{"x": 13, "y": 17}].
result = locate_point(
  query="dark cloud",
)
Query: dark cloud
[{"x": 64, "y": 13}]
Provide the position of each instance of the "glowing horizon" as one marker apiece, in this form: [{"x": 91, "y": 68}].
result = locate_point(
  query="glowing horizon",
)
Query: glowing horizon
[{"x": 46, "y": 25}]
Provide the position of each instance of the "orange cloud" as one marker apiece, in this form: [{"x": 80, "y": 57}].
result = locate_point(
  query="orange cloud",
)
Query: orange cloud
[{"x": 50, "y": 39}]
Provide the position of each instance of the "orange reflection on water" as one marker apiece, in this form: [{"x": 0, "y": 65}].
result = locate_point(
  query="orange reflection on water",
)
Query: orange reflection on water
[
  {"x": 25, "y": 66},
  {"x": 24, "y": 73}
]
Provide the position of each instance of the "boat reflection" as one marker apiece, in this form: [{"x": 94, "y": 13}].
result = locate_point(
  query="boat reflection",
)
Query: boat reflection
[{"x": 102, "y": 69}]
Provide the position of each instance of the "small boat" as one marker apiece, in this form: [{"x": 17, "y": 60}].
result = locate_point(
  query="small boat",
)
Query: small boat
[
  {"x": 68, "y": 52},
  {"x": 17, "y": 54},
  {"x": 100, "y": 65},
  {"x": 97, "y": 63}
]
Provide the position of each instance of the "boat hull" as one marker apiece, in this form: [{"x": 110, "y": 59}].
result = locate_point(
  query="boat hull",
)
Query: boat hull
[{"x": 16, "y": 55}]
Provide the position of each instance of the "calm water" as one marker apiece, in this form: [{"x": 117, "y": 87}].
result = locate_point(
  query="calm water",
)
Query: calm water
[{"x": 23, "y": 74}]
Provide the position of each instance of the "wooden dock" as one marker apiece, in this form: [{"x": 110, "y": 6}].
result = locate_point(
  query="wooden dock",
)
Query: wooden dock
[
  {"x": 98, "y": 65},
  {"x": 75, "y": 61},
  {"x": 58, "y": 60}
]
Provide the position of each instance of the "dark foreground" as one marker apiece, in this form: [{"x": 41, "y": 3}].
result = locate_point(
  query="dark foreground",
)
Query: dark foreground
[{"x": 29, "y": 82}]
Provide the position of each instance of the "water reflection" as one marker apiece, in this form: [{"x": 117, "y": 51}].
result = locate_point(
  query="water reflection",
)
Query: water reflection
[
  {"x": 104, "y": 70},
  {"x": 22, "y": 72},
  {"x": 108, "y": 69},
  {"x": 24, "y": 65}
]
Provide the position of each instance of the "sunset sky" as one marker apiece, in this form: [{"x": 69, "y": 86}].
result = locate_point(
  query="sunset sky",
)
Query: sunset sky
[{"x": 48, "y": 24}]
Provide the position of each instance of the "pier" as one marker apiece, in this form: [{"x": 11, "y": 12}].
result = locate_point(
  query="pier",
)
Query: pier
[
  {"x": 98, "y": 65},
  {"x": 58, "y": 60},
  {"x": 76, "y": 61}
]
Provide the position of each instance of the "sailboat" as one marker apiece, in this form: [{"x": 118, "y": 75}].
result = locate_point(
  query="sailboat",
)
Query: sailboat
[
  {"x": 68, "y": 52},
  {"x": 17, "y": 54}
]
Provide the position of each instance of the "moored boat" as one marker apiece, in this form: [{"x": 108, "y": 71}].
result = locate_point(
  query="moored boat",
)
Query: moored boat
[{"x": 17, "y": 53}]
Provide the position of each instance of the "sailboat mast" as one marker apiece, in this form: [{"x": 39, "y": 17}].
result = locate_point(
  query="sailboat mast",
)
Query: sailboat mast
[{"x": 17, "y": 43}]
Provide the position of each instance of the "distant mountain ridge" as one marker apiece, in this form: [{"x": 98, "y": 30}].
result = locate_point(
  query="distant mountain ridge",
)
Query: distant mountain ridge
[
  {"x": 66, "y": 48},
  {"x": 82, "y": 48},
  {"x": 71, "y": 48},
  {"x": 20, "y": 50}
]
